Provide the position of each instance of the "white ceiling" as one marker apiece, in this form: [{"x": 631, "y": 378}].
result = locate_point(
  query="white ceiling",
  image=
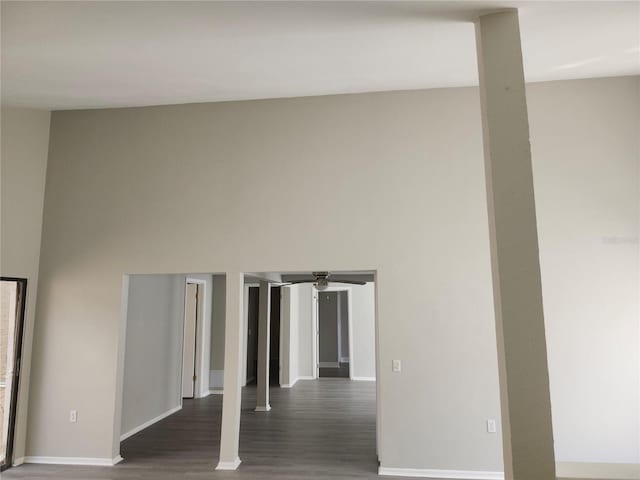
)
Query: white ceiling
[{"x": 62, "y": 55}]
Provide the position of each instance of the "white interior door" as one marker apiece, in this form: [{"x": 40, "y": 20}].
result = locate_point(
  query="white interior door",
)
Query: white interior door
[{"x": 189, "y": 347}]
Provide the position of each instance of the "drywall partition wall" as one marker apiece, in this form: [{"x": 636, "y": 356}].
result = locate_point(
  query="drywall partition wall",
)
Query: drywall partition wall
[
  {"x": 363, "y": 324},
  {"x": 303, "y": 295},
  {"x": 23, "y": 164},
  {"x": 121, "y": 197},
  {"x": 587, "y": 203},
  {"x": 216, "y": 375},
  {"x": 153, "y": 353}
]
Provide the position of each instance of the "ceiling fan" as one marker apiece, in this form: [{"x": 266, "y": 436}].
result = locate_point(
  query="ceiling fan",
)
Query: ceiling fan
[{"x": 321, "y": 280}]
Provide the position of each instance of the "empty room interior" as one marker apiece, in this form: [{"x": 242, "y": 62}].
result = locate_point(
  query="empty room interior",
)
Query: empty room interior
[{"x": 320, "y": 239}]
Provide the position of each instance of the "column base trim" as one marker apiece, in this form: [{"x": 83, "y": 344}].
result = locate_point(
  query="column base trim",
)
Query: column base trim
[
  {"x": 229, "y": 465},
  {"x": 263, "y": 409},
  {"x": 441, "y": 474}
]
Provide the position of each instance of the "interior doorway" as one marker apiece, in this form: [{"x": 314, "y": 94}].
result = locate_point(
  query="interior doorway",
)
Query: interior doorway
[
  {"x": 12, "y": 306},
  {"x": 334, "y": 335},
  {"x": 252, "y": 306},
  {"x": 192, "y": 321}
]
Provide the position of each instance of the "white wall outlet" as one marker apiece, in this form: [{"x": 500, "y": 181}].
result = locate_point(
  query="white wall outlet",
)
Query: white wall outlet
[
  {"x": 491, "y": 426},
  {"x": 73, "y": 416},
  {"x": 396, "y": 366}
]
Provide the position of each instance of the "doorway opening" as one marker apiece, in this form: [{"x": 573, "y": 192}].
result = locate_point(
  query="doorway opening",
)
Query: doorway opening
[
  {"x": 168, "y": 339},
  {"x": 251, "y": 318},
  {"x": 333, "y": 333},
  {"x": 325, "y": 325},
  {"x": 12, "y": 307},
  {"x": 193, "y": 309}
]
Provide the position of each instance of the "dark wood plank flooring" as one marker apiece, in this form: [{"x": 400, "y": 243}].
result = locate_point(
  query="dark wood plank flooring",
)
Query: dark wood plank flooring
[{"x": 323, "y": 429}]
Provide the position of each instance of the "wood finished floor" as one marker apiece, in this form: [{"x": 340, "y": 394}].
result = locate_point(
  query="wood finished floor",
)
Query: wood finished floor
[{"x": 320, "y": 430}]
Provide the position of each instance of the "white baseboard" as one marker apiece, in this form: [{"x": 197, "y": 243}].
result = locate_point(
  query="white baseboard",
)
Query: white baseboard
[
  {"x": 289, "y": 385},
  {"x": 139, "y": 428},
  {"x": 216, "y": 391},
  {"x": 18, "y": 461},
  {"x": 364, "y": 379},
  {"x": 344, "y": 360},
  {"x": 100, "y": 462},
  {"x": 229, "y": 465},
  {"x": 305, "y": 378},
  {"x": 599, "y": 471},
  {"x": 441, "y": 474},
  {"x": 263, "y": 409}
]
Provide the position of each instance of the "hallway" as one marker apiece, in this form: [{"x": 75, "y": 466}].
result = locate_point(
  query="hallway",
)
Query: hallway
[{"x": 320, "y": 429}]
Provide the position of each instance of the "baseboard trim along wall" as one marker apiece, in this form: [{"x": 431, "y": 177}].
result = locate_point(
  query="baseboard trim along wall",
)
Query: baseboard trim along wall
[
  {"x": 290, "y": 385},
  {"x": 229, "y": 465},
  {"x": 99, "y": 462},
  {"x": 594, "y": 471},
  {"x": 139, "y": 428},
  {"x": 364, "y": 379},
  {"x": 441, "y": 474},
  {"x": 599, "y": 471}
]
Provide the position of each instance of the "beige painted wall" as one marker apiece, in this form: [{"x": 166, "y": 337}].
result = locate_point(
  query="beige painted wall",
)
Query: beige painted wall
[
  {"x": 23, "y": 164},
  {"x": 410, "y": 203}
]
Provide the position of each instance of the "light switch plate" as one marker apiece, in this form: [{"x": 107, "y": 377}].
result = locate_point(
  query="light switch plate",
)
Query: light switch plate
[
  {"x": 491, "y": 426},
  {"x": 396, "y": 366}
]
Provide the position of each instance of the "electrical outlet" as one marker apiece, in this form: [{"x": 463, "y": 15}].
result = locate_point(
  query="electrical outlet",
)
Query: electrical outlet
[
  {"x": 491, "y": 426},
  {"x": 73, "y": 416}
]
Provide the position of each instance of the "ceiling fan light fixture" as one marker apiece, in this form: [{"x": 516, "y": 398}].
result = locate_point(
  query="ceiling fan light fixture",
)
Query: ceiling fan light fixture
[{"x": 321, "y": 284}]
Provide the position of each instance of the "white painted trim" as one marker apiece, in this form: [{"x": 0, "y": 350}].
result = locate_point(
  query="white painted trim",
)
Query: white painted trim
[
  {"x": 229, "y": 465},
  {"x": 100, "y": 462},
  {"x": 245, "y": 332},
  {"x": 442, "y": 474},
  {"x": 290, "y": 385},
  {"x": 216, "y": 391},
  {"x": 202, "y": 335},
  {"x": 364, "y": 379},
  {"x": 263, "y": 409},
  {"x": 139, "y": 428},
  {"x": 600, "y": 471},
  {"x": 18, "y": 461}
]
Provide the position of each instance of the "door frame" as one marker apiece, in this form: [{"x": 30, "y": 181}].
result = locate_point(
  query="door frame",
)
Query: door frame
[
  {"x": 21, "y": 303},
  {"x": 201, "y": 384},
  {"x": 316, "y": 331}
]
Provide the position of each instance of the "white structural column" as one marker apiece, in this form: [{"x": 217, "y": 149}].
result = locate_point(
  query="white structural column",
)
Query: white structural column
[
  {"x": 522, "y": 351},
  {"x": 264, "y": 339},
  {"x": 233, "y": 351}
]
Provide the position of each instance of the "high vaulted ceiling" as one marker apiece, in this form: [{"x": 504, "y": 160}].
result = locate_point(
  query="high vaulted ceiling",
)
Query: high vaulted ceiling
[{"x": 63, "y": 55}]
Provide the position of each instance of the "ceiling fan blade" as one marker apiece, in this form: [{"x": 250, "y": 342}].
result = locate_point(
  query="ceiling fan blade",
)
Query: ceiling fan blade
[
  {"x": 350, "y": 282},
  {"x": 296, "y": 282}
]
